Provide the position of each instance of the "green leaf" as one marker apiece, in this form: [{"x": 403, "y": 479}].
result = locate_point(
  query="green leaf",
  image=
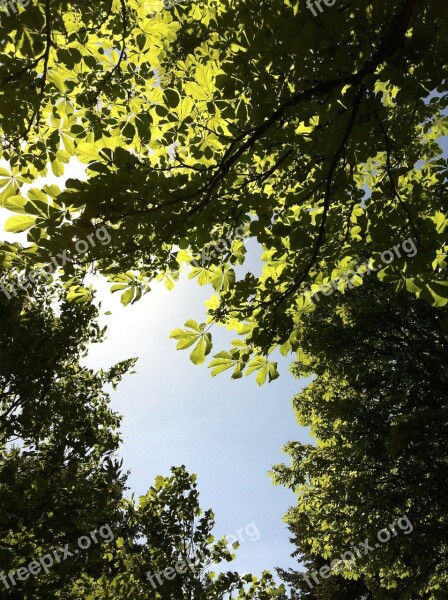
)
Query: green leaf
[
  {"x": 438, "y": 293},
  {"x": 198, "y": 355},
  {"x": 262, "y": 375},
  {"x": 118, "y": 287},
  {"x": 87, "y": 153},
  {"x": 63, "y": 156},
  {"x": 192, "y": 324},
  {"x": 79, "y": 295},
  {"x": 57, "y": 167},
  {"x": 19, "y": 223},
  {"x": 127, "y": 296},
  {"x": 186, "y": 338},
  {"x": 221, "y": 362},
  {"x": 16, "y": 204}
]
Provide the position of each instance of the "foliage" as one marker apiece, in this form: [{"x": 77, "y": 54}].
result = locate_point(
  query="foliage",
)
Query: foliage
[
  {"x": 318, "y": 135},
  {"x": 334, "y": 588},
  {"x": 378, "y": 409},
  {"x": 320, "y": 138},
  {"x": 59, "y": 474},
  {"x": 165, "y": 527}
]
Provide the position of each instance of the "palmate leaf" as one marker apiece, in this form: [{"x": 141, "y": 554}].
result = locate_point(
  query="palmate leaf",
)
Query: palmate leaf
[
  {"x": 222, "y": 279},
  {"x": 224, "y": 361},
  {"x": 185, "y": 338},
  {"x": 169, "y": 279},
  {"x": 221, "y": 362},
  {"x": 195, "y": 334},
  {"x": 79, "y": 294},
  {"x": 134, "y": 286},
  {"x": 265, "y": 369},
  {"x": 204, "y": 87}
]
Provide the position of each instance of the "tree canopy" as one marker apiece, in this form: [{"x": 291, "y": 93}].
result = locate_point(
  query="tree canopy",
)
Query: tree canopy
[
  {"x": 59, "y": 473},
  {"x": 217, "y": 135},
  {"x": 378, "y": 410},
  {"x": 217, "y": 114}
]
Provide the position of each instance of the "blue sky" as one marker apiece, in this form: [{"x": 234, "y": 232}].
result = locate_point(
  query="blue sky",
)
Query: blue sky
[{"x": 229, "y": 433}]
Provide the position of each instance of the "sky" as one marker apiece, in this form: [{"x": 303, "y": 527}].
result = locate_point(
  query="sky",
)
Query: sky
[{"x": 230, "y": 433}]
